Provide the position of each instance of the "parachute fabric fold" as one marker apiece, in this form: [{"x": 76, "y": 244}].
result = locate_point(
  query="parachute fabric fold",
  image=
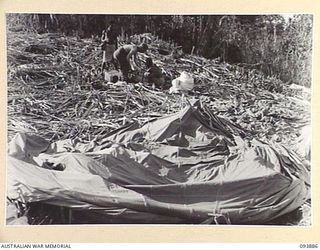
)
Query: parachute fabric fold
[{"x": 188, "y": 167}]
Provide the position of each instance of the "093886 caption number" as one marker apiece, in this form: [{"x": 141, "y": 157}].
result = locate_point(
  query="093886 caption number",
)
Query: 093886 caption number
[{"x": 309, "y": 246}]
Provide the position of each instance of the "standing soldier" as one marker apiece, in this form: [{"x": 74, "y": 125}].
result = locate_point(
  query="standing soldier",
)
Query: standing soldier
[{"x": 109, "y": 45}]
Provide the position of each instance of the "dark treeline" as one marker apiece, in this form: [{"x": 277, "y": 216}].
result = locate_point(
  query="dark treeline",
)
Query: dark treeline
[{"x": 279, "y": 48}]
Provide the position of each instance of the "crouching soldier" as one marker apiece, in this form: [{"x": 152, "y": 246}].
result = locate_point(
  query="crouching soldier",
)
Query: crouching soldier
[{"x": 153, "y": 75}]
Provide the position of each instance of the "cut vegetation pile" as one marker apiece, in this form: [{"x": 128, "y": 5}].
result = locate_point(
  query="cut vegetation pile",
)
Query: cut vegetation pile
[{"x": 55, "y": 90}]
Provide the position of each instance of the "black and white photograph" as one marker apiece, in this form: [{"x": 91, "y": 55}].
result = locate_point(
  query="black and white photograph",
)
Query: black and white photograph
[{"x": 159, "y": 119}]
